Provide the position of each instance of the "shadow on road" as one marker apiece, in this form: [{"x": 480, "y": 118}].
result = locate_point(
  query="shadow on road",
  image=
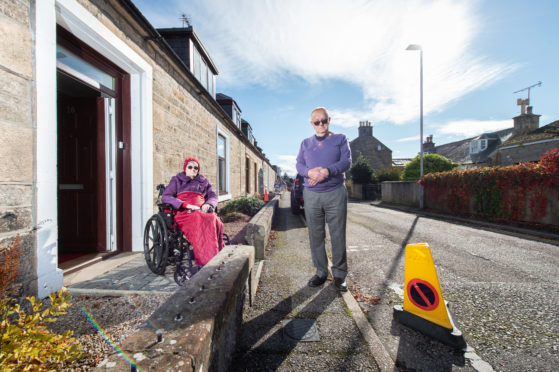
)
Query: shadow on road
[{"x": 417, "y": 352}]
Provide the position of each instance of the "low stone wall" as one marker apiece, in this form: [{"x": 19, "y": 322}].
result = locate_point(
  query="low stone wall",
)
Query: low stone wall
[
  {"x": 196, "y": 329},
  {"x": 401, "y": 192},
  {"x": 258, "y": 228}
]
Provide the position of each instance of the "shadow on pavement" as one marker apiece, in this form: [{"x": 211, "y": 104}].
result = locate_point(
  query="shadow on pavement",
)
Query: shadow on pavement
[{"x": 261, "y": 351}]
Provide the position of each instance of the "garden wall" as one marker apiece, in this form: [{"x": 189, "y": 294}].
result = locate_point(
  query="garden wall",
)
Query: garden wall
[{"x": 400, "y": 192}]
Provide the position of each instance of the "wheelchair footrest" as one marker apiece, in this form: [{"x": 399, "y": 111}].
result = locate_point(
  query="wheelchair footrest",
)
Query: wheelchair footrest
[{"x": 183, "y": 273}]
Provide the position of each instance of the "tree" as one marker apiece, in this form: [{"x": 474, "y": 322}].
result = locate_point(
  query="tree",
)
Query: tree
[
  {"x": 432, "y": 163},
  {"x": 361, "y": 171},
  {"x": 288, "y": 180}
]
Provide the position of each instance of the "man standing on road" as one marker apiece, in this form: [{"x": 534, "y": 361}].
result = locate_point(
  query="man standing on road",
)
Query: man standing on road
[{"x": 323, "y": 160}]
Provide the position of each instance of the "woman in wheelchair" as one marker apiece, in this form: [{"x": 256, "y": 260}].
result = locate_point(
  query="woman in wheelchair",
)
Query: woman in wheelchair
[{"x": 191, "y": 194}]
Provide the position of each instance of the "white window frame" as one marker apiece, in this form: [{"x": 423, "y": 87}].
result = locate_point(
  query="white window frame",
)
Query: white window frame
[
  {"x": 478, "y": 146},
  {"x": 222, "y": 133}
]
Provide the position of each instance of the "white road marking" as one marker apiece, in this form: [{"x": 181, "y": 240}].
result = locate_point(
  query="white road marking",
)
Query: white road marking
[
  {"x": 398, "y": 288},
  {"x": 479, "y": 364}
]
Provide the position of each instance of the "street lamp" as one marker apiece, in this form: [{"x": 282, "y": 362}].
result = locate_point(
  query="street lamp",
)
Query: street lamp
[{"x": 418, "y": 47}]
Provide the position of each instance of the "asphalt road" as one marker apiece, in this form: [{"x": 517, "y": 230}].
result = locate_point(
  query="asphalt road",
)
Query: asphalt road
[{"x": 502, "y": 289}]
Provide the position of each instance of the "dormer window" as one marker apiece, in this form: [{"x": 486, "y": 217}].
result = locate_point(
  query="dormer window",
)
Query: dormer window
[{"x": 477, "y": 146}]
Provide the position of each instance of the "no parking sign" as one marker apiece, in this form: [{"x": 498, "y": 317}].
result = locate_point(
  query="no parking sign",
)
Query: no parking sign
[
  {"x": 424, "y": 308},
  {"x": 423, "y": 296}
]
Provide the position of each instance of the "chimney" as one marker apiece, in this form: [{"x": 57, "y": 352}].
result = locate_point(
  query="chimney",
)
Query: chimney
[
  {"x": 526, "y": 123},
  {"x": 365, "y": 129},
  {"x": 429, "y": 145}
]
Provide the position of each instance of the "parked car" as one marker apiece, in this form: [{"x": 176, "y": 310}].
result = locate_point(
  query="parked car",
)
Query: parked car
[{"x": 297, "y": 201}]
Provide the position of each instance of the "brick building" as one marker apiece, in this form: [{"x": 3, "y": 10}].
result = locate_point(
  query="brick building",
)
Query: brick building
[
  {"x": 378, "y": 155},
  {"x": 98, "y": 107}
]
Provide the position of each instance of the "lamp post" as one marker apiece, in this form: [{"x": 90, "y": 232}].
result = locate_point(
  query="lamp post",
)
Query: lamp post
[{"x": 418, "y": 47}]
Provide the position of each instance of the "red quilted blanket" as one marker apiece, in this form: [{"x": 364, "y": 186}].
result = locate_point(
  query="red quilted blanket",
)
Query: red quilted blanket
[{"x": 203, "y": 230}]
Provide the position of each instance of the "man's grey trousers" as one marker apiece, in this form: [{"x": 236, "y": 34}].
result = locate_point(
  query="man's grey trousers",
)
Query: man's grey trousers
[{"x": 331, "y": 208}]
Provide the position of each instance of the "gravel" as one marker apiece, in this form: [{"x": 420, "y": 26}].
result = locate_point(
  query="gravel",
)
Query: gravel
[{"x": 116, "y": 317}]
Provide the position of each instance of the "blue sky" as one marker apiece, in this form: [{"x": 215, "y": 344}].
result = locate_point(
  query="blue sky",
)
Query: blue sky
[{"x": 280, "y": 58}]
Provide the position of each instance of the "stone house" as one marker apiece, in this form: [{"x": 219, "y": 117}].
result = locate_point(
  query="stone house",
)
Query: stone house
[
  {"x": 378, "y": 155},
  {"x": 529, "y": 141},
  {"x": 525, "y": 141},
  {"x": 471, "y": 152},
  {"x": 97, "y": 108}
]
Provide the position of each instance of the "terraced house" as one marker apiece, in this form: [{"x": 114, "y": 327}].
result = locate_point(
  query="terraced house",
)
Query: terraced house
[{"x": 97, "y": 108}]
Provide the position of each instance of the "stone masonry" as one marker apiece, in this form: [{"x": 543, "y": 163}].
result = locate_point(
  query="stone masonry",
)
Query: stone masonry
[
  {"x": 17, "y": 140},
  {"x": 378, "y": 155}
]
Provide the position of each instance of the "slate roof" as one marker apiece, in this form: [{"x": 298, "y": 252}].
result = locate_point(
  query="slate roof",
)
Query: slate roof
[
  {"x": 548, "y": 131},
  {"x": 459, "y": 151}
]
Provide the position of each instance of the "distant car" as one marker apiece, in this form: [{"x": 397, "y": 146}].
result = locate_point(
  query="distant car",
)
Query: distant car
[{"x": 297, "y": 201}]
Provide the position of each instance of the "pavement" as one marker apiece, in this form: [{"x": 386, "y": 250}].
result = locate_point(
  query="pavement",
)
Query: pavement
[{"x": 123, "y": 274}]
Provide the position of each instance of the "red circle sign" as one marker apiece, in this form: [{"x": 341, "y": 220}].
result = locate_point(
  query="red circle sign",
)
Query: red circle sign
[{"x": 422, "y": 294}]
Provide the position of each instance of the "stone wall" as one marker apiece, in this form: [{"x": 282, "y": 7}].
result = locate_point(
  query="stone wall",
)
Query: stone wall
[
  {"x": 17, "y": 139},
  {"x": 198, "y": 325},
  {"x": 400, "y": 192}
]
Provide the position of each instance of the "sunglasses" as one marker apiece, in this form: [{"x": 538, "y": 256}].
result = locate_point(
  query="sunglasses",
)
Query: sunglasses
[
  {"x": 192, "y": 167},
  {"x": 323, "y": 121}
]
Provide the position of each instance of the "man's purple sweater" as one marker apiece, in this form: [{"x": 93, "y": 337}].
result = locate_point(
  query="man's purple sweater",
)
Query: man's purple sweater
[
  {"x": 181, "y": 183},
  {"x": 332, "y": 152}
]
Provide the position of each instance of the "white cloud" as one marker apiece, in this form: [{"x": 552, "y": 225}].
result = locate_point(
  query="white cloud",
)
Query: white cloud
[
  {"x": 470, "y": 128},
  {"x": 358, "y": 42},
  {"x": 286, "y": 163},
  {"x": 408, "y": 139}
]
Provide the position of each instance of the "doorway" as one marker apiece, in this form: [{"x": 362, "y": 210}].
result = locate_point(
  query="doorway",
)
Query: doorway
[{"x": 82, "y": 186}]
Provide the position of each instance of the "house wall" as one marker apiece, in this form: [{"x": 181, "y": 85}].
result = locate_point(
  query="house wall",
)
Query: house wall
[
  {"x": 18, "y": 133},
  {"x": 185, "y": 123},
  {"x": 368, "y": 146}
]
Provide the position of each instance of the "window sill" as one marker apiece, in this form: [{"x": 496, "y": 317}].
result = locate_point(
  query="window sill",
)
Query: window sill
[{"x": 225, "y": 197}]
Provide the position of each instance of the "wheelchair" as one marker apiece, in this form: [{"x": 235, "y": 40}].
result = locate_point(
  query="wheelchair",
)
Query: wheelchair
[{"x": 165, "y": 244}]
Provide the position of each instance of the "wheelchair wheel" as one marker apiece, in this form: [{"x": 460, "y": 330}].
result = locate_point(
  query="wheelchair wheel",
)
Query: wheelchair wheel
[{"x": 156, "y": 249}]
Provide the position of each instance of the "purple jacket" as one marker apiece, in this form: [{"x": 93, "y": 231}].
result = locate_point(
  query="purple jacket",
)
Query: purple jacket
[
  {"x": 181, "y": 183},
  {"x": 333, "y": 153}
]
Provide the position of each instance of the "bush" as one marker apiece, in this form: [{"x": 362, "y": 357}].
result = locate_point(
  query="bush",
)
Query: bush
[
  {"x": 390, "y": 174},
  {"x": 233, "y": 216},
  {"x": 25, "y": 341},
  {"x": 27, "y": 344},
  {"x": 432, "y": 163},
  {"x": 246, "y": 204},
  {"x": 361, "y": 171}
]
